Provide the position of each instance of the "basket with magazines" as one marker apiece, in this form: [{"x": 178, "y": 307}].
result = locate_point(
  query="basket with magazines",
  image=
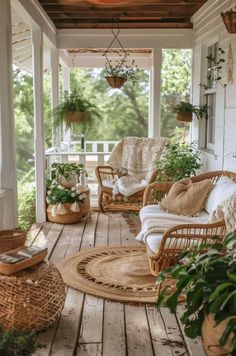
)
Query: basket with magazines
[{"x": 16, "y": 260}]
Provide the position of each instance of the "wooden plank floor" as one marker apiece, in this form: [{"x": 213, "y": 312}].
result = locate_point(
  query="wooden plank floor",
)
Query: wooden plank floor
[{"x": 90, "y": 326}]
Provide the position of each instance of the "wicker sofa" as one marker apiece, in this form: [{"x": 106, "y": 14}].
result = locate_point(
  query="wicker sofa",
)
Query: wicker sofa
[{"x": 164, "y": 248}]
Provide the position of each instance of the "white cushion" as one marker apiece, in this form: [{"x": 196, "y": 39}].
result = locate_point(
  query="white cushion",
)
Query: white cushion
[
  {"x": 222, "y": 190},
  {"x": 153, "y": 241},
  {"x": 108, "y": 183}
]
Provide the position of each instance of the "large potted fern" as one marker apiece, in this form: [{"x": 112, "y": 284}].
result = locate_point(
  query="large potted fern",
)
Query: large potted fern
[{"x": 208, "y": 280}]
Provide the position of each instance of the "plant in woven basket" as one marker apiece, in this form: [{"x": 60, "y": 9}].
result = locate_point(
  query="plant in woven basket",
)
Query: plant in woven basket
[
  {"x": 179, "y": 160},
  {"x": 185, "y": 110},
  {"x": 121, "y": 71},
  {"x": 207, "y": 277},
  {"x": 72, "y": 104},
  {"x": 18, "y": 343},
  {"x": 66, "y": 170}
]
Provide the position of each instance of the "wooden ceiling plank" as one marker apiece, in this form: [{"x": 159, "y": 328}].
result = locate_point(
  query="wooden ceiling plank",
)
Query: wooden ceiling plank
[
  {"x": 154, "y": 25},
  {"x": 134, "y": 2}
]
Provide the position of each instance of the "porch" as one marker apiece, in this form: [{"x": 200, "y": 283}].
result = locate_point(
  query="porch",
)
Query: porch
[{"x": 92, "y": 326}]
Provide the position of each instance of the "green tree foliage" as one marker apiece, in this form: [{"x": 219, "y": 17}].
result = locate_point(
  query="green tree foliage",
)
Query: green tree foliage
[{"x": 176, "y": 81}]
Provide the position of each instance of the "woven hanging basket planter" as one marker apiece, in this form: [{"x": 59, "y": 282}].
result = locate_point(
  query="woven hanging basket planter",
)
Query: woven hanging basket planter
[
  {"x": 75, "y": 116},
  {"x": 68, "y": 184},
  {"x": 116, "y": 82},
  {"x": 229, "y": 18},
  {"x": 211, "y": 335},
  {"x": 184, "y": 117},
  {"x": 11, "y": 239}
]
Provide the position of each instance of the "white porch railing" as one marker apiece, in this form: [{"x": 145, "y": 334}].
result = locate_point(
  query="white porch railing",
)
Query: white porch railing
[{"x": 95, "y": 153}]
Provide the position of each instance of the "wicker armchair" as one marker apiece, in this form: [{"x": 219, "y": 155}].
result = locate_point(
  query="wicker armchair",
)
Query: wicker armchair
[
  {"x": 180, "y": 237},
  {"x": 108, "y": 201}
]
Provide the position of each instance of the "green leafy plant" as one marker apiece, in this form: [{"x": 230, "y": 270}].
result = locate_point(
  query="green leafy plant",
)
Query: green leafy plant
[
  {"x": 56, "y": 193},
  {"x": 18, "y": 343},
  {"x": 73, "y": 103},
  {"x": 120, "y": 69},
  {"x": 66, "y": 170},
  {"x": 208, "y": 279},
  {"x": 214, "y": 65},
  {"x": 179, "y": 160},
  {"x": 185, "y": 107},
  {"x": 26, "y": 205}
]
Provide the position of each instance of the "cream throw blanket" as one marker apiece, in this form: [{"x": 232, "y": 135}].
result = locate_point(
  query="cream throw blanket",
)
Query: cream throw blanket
[
  {"x": 227, "y": 211},
  {"x": 133, "y": 157}
]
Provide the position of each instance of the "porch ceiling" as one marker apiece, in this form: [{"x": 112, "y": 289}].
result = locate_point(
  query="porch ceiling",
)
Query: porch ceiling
[{"x": 130, "y": 14}]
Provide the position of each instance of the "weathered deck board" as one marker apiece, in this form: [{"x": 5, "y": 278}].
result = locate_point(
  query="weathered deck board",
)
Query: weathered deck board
[
  {"x": 158, "y": 332},
  {"x": 91, "y": 326},
  {"x": 137, "y": 331}
]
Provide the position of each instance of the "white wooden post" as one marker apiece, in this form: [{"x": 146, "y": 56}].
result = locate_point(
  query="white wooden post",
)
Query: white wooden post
[
  {"x": 54, "y": 56},
  {"x": 154, "y": 120},
  {"x": 66, "y": 87},
  {"x": 8, "y": 176},
  {"x": 37, "y": 51}
]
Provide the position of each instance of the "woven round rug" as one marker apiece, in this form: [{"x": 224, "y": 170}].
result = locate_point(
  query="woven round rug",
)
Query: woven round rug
[{"x": 117, "y": 273}]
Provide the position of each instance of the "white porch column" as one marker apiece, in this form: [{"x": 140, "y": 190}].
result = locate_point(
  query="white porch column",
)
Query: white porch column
[
  {"x": 37, "y": 50},
  {"x": 54, "y": 56},
  {"x": 66, "y": 87},
  {"x": 8, "y": 173},
  {"x": 154, "y": 120}
]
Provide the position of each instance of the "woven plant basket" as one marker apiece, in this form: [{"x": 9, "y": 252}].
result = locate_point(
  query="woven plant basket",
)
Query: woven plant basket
[
  {"x": 11, "y": 239},
  {"x": 116, "y": 82},
  {"x": 186, "y": 117},
  {"x": 75, "y": 116},
  {"x": 211, "y": 335},
  {"x": 31, "y": 299},
  {"x": 68, "y": 183},
  {"x": 71, "y": 217},
  {"x": 229, "y": 18}
]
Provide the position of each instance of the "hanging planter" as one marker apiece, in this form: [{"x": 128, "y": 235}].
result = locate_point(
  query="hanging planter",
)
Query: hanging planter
[
  {"x": 116, "y": 82},
  {"x": 229, "y": 18},
  {"x": 185, "y": 117},
  {"x": 71, "y": 116}
]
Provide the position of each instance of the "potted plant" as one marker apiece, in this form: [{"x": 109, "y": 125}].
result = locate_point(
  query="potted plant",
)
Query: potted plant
[
  {"x": 18, "y": 342},
  {"x": 179, "y": 160},
  {"x": 67, "y": 174},
  {"x": 118, "y": 73},
  {"x": 207, "y": 277},
  {"x": 76, "y": 109},
  {"x": 184, "y": 111}
]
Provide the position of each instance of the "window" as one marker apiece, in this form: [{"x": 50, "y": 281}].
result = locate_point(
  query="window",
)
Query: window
[
  {"x": 210, "y": 122},
  {"x": 212, "y": 74}
]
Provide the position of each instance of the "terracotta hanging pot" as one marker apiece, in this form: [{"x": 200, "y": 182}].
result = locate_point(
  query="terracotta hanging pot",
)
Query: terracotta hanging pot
[
  {"x": 184, "y": 117},
  {"x": 229, "y": 18},
  {"x": 75, "y": 116},
  {"x": 116, "y": 82}
]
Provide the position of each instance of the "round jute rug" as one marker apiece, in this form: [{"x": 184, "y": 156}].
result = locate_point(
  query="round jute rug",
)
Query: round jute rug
[{"x": 117, "y": 273}]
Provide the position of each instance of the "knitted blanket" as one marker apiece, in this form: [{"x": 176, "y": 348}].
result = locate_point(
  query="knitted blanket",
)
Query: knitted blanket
[
  {"x": 134, "y": 156},
  {"x": 227, "y": 211}
]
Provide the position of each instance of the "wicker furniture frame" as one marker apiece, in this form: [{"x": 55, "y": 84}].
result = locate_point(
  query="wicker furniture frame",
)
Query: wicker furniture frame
[
  {"x": 31, "y": 299},
  {"x": 11, "y": 239},
  {"x": 184, "y": 236},
  {"x": 109, "y": 202}
]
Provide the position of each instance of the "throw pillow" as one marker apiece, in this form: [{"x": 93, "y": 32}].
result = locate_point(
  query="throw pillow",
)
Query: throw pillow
[
  {"x": 222, "y": 190},
  {"x": 186, "y": 197}
]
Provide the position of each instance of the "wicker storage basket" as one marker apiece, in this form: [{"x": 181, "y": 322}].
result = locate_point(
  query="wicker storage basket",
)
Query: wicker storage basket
[
  {"x": 211, "y": 335},
  {"x": 11, "y": 239},
  {"x": 71, "y": 217},
  {"x": 31, "y": 299},
  {"x": 75, "y": 116},
  {"x": 11, "y": 268},
  {"x": 116, "y": 82}
]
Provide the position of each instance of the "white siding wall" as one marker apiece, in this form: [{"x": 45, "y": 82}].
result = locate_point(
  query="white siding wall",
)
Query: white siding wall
[{"x": 209, "y": 28}]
